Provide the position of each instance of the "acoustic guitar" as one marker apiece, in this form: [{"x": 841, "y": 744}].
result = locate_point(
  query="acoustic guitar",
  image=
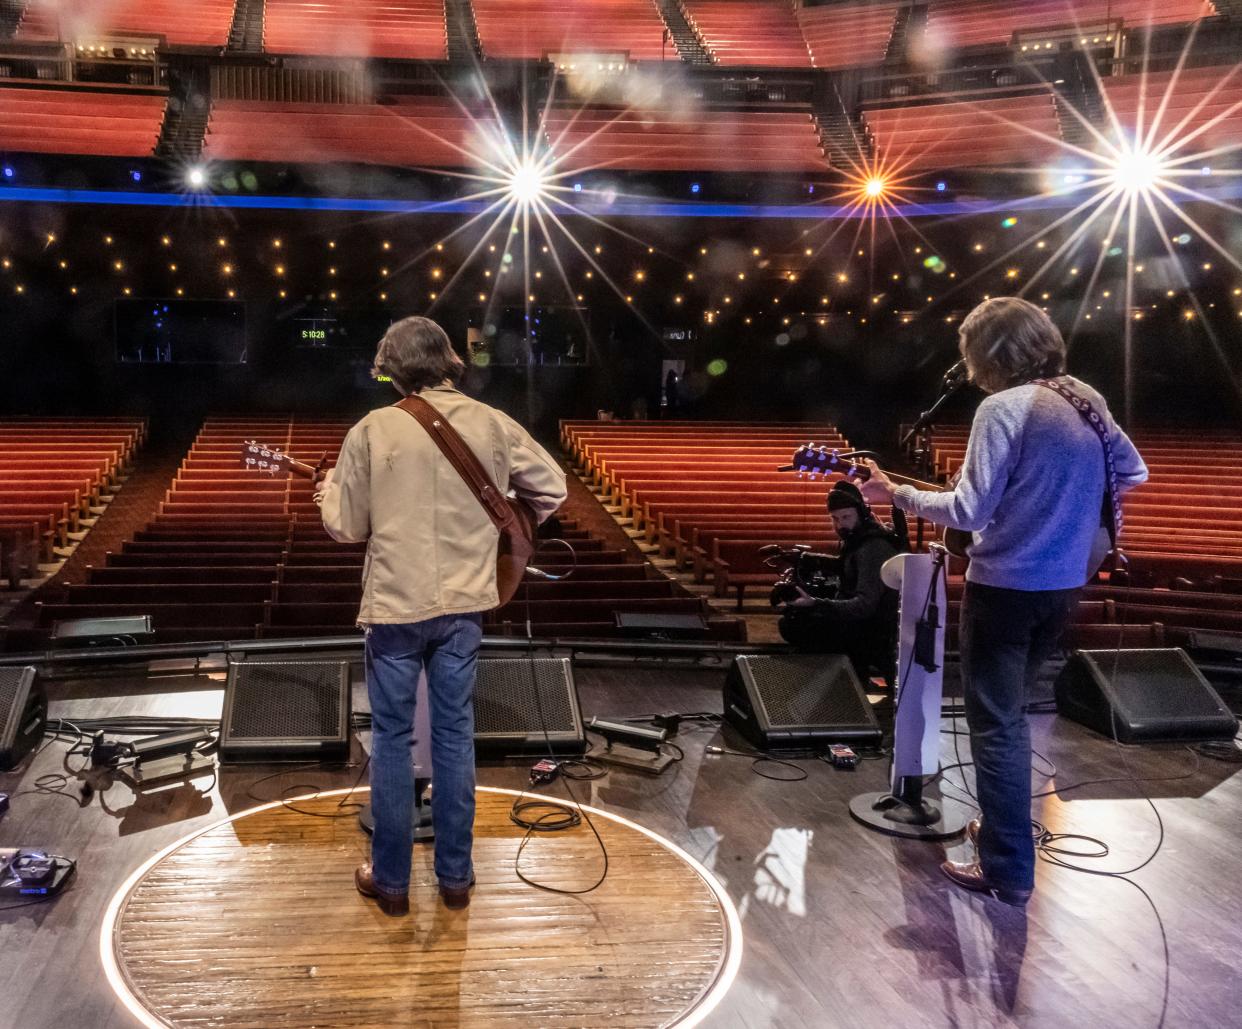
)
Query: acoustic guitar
[{"x": 815, "y": 461}]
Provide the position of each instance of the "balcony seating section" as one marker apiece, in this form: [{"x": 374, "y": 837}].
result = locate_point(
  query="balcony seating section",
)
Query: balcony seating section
[
  {"x": 80, "y": 121},
  {"x": 234, "y": 553},
  {"x": 53, "y": 472},
  {"x": 1003, "y": 132},
  {"x": 707, "y": 140},
  {"x": 202, "y": 23},
  {"x": 963, "y": 23},
  {"x": 411, "y": 131},
  {"x": 533, "y": 28},
  {"x": 749, "y": 32},
  {"x": 1182, "y": 535},
  {"x": 1204, "y": 108},
  {"x": 708, "y": 494},
  {"x": 401, "y": 29},
  {"x": 843, "y": 35}
]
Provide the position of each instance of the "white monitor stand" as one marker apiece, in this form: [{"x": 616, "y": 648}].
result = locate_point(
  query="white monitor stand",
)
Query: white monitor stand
[
  {"x": 421, "y": 756},
  {"x": 916, "y": 723}
]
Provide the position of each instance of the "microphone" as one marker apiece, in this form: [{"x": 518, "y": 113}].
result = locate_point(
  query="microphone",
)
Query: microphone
[{"x": 956, "y": 376}]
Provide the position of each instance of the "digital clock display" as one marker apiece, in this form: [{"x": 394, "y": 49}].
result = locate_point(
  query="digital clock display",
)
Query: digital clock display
[{"x": 314, "y": 334}]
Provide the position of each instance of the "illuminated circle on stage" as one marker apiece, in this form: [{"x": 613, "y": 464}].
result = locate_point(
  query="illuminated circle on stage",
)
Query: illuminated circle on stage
[{"x": 255, "y": 921}]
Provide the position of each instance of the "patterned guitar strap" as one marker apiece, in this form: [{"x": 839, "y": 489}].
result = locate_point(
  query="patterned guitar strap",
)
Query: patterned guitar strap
[{"x": 1110, "y": 510}]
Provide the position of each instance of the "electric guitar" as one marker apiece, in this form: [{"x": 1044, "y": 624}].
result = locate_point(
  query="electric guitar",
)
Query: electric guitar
[{"x": 814, "y": 462}]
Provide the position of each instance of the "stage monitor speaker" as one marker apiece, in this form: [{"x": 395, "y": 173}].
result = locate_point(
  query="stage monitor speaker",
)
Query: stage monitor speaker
[
  {"x": 796, "y": 701},
  {"x": 516, "y": 699},
  {"x": 1145, "y": 696},
  {"x": 23, "y": 714},
  {"x": 286, "y": 711}
]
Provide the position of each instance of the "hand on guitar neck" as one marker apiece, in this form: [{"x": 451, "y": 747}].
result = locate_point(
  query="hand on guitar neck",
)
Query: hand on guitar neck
[{"x": 876, "y": 485}]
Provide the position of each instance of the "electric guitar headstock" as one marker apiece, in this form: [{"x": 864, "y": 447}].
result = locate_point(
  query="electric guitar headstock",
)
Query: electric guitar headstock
[
  {"x": 262, "y": 458},
  {"x": 816, "y": 461}
]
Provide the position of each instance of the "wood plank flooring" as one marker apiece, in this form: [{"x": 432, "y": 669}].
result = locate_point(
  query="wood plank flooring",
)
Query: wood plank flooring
[
  {"x": 256, "y": 923},
  {"x": 843, "y": 927}
]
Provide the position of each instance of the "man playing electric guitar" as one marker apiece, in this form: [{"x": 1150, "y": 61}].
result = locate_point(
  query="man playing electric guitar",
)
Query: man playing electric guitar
[{"x": 1043, "y": 452}]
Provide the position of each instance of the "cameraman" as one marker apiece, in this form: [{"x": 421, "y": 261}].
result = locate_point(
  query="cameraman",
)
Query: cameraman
[{"x": 861, "y": 620}]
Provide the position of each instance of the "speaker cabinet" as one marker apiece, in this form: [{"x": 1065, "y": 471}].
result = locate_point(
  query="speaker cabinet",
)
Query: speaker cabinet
[
  {"x": 516, "y": 699},
  {"x": 23, "y": 714},
  {"x": 1145, "y": 696},
  {"x": 795, "y": 701},
  {"x": 286, "y": 711}
]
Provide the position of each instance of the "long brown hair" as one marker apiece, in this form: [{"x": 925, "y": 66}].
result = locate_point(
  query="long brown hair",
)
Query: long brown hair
[{"x": 1007, "y": 341}]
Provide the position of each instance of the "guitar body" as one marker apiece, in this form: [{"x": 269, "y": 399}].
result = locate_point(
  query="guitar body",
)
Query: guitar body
[{"x": 514, "y": 550}]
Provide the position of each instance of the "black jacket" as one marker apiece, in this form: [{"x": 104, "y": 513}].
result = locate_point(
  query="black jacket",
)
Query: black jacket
[{"x": 862, "y": 595}]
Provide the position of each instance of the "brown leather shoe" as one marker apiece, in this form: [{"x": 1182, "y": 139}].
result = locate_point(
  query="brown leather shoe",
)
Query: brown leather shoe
[
  {"x": 389, "y": 903},
  {"x": 969, "y": 876},
  {"x": 972, "y": 830},
  {"x": 457, "y": 897}
]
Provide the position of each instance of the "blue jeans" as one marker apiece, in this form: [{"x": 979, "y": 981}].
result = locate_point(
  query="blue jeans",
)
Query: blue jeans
[
  {"x": 395, "y": 654},
  {"x": 1006, "y": 635}
]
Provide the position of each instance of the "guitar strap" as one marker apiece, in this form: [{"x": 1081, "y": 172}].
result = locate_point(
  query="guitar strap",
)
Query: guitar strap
[{"x": 1110, "y": 515}]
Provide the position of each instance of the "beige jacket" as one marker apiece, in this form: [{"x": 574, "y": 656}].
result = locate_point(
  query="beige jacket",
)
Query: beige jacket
[{"x": 431, "y": 548}]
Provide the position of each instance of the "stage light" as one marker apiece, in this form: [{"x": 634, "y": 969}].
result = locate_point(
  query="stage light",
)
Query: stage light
[
  {"x": 135, "y": 174},
  {"x": 874, "y": 187},
  {"x": 1135, "y": 171},
  {"x": 196, "y": 177},
  {"x": 695, "y": 187},
  {"x": 8, "y": 171},
  {"x": 941, "y": 187},
  {"x": 526, "y": 183}
]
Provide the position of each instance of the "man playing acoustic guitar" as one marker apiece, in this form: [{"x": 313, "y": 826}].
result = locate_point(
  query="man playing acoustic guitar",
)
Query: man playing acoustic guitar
[
  {"x": 1043, "y": 455},
  {"x": 430, "y": 573}
]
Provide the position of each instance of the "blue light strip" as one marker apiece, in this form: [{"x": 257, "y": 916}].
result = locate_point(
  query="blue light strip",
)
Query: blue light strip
[{"x": 582, "y": 204}]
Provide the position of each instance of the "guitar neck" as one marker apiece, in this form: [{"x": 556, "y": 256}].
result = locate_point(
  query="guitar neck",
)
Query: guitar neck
[
  {"x": 905, "y": 480},
  {"x": 306, "y": 471}
]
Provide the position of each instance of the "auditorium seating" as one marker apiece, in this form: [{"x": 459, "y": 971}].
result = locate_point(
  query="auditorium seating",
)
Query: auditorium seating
[
  {"x": 749, "y": 32},
  {"x": 843, "y": 35},
  {"x": 80, "y": 121},
  {"x": 705, "y": 140},
  {"x": 404, "y": 29},
  {"x": 963, "y": 23},
  {"x": 233, "y": 553},
  {"x": 535, "y": 28},
  {"x": 202, "y": 23},
  {"x": 707, "y": 494},
  {"x": 413, "y": 131},
  {"x": 1203, "y": 106},
  {"x": 53, "y": 471},
  {"x": 1008, "y": 131}
]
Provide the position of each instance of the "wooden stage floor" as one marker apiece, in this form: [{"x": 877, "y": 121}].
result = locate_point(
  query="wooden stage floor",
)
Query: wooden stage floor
[{"x": 842, "y": 927}]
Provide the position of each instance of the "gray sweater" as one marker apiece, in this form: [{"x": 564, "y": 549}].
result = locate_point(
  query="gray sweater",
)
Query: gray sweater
[{"x": 1030, "y": 488}]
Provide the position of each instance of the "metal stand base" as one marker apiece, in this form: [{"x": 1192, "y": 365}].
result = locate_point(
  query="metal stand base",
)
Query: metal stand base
[
  {"x": 912, "y": 821},
  {"x": 424, "y": 830}
]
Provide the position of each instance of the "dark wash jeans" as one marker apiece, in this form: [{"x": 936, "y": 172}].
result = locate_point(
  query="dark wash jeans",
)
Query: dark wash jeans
[
  {"x": 1006, "y": 635},
  {"x": 395, "y": 654}
]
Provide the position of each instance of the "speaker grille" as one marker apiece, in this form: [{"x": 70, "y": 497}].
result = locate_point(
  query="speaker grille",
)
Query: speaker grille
[
  {"x": 797, "y": 693},
  {"x": 509, "y": 695},
  {"x": 10, "y": 680},
  {"x": 527, "y": 704},
  {"x": 294, "y": 699},
  {"x": 1158, "y": 685},
  {"x": 1142, "y": 696}
]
